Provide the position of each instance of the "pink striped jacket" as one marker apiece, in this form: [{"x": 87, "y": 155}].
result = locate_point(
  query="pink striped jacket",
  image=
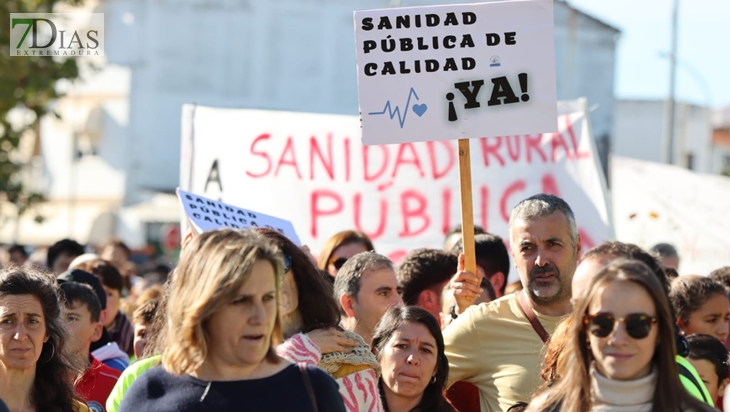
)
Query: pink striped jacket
[{"x": 359, "y": 390}]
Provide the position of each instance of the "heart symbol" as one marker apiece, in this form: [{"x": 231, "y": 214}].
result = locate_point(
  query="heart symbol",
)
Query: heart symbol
[{"x": 420, "y": 109}]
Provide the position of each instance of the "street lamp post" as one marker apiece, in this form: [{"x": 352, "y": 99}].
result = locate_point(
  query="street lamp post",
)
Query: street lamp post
[
  {"x": 701, "y": 82},
  {"x": 672, "y": 85}
]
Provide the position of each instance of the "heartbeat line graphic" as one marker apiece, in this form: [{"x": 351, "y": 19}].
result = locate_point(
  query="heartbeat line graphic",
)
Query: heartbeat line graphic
[{"x": 418, "y": 109}]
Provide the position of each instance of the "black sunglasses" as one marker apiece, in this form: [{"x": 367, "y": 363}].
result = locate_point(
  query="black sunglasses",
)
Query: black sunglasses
[
  {"x": 337, "y": 263},
  {"x": 637, "y": 325}
]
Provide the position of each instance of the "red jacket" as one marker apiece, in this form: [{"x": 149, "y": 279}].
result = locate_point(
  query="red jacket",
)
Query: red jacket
[{"x": 96, "y": 384}]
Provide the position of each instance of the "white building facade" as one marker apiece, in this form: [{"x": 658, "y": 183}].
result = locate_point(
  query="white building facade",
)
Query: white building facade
[
  {"x": 640, "y": 133},
  {"x": 295, "y": 55}
]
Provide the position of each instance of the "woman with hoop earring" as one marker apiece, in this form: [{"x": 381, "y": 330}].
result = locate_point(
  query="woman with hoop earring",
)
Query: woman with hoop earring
[{"x": 36, "y": 370}]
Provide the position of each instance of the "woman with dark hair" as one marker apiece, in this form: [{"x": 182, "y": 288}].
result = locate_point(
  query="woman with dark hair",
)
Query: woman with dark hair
[
  {"x": 340, "y": 247},
  {"x": 410, "y": 348},
  {"x": 37, "y": 371},
  {"x": 620, "y": 349},
  {"x": 310, "y": 322},
  {"x": 303, "y": 305}
]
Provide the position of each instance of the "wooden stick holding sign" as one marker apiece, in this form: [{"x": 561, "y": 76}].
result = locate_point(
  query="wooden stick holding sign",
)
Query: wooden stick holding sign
[
  {"x": 483, "y": 70},
  {"x": 467, "y": 210}
]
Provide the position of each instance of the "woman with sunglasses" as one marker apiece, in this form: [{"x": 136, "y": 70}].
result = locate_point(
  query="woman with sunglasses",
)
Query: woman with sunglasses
[
  {"x": 620, "y": 350},
  {"x": 342, "y": 246},
  {"x": 310, "y": 323}
]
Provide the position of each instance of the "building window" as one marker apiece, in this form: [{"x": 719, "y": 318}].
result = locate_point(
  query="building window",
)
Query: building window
[{"x": 690, "y": 161}]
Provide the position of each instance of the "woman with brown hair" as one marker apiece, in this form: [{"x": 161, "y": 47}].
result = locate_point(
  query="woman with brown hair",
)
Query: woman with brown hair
[
  {"x": 223, "y": 327},
  {"x": 310, "y": 320},
  {"x": 340, "y": 247},
  {"x": 620, "y": 348},
  {"x": 37, "y": 372}
]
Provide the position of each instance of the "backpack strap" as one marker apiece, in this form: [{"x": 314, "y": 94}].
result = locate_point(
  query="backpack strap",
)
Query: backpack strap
[
  {"x": 687, "y": 374},
  {"x": 308, "y": 385},
  {"x": 527, "y": 310}
]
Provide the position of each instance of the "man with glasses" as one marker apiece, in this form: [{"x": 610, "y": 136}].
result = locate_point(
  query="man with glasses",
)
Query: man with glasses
[
  {"x": 505, "y": 364},
  {"x": 365, "y": 288}
]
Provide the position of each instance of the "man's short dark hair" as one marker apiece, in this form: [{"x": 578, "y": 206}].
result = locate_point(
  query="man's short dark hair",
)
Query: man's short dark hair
[
  {"x": 712, "y": 350},
  {"x": 86, "y": 278},
  {"x": 487, "y": 286},
  {"x": 491, "y": 255},
  {"x": 423, "y": 269},
  {"x": 158, "y": 274},
  {"x": 347, "y": 281},
  {"x": 458, "y": 229},
  {"x": 617, "y": 249},
  {"x": 74, "y": 292},
  {"x": 18, "y": 249},
  {"x": 118, "y": 243},
  {"x": 664, "y": 250},
  {"x": 106, "y": 271},
  {"x": 67, "y": 246}
]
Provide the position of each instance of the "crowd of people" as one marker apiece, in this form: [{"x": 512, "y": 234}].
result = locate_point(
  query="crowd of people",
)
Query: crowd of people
[{"x": 248, "y": 320}]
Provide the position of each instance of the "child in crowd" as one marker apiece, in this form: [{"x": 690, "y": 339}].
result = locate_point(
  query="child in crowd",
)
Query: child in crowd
[
  {"x": 710, "y": 358},
  {"x": 142, "y": 319},
  {"x": 105, "y": 349},
  {"x": 702, "y": 306},
  {"x": 82, "y": 312},
  {"x": 117, "y": 323}
]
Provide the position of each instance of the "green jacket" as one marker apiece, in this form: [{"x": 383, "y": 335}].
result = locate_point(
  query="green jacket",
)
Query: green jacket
[
  {"x": 697, "y": 389},
  {"x": 126, "y": 380}
]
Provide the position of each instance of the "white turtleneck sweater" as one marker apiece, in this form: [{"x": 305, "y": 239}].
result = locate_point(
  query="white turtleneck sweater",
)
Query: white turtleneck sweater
[{"x": 611, "y": 395}]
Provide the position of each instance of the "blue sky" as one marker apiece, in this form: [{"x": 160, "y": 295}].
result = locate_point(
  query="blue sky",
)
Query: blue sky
[{"x": 703, "y": 47}]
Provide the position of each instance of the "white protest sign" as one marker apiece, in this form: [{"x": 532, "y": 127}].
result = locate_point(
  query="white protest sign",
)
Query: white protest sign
[
  {"x": 456, "y": 71},
  {"x": 207, "y": 214},
  {"x": 658, "y": 203},
  {"x": 313, "y": 169}
]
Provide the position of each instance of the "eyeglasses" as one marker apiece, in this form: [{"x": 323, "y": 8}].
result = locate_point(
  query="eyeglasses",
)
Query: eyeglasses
[
  {"x": 637, "y": 325},
  {"x": 287, "y": 263},
  {"x": 337, "y": 263}
]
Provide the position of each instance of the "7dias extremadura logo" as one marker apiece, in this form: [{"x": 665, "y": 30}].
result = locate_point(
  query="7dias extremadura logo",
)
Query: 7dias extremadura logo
[{"x": 56, "y": 34}]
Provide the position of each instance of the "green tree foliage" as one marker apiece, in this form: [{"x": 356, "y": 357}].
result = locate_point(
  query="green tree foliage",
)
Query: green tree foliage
[{"x": 27, "y": 83}]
